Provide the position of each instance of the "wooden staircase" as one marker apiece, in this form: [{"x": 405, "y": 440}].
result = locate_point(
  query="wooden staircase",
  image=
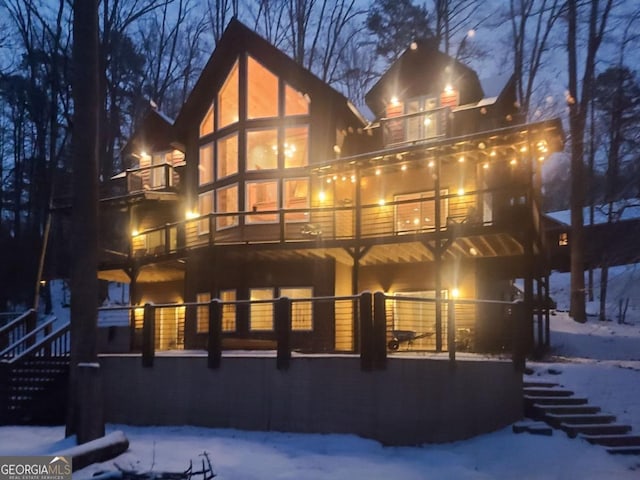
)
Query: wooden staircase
[
  {"x": 561, "y": 409},
  {"x": 34, "y": 372}
]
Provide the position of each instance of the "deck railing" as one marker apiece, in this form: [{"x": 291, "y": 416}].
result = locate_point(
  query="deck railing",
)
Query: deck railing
[
  {"x": 459, "y": 210},
  {"x": 415, "y": 127},
  {"x": 369, "y": 325},
  {"x": 153, "y": 177},
  {"x": 17, "y": 328}
]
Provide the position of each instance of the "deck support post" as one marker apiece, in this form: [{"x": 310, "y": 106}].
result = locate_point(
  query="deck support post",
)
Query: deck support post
[
  {"x": 283, "y": 332},
  {"x": 365, "y": 311},
  {"x": 451, "y": 330},
  {"x": 379, "y": 331},
  {"x": 214, "y": 344},
  {"x": 148, "y": 335}
]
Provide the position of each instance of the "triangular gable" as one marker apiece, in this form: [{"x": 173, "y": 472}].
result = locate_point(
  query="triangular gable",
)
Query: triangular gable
[
  {"x": 237, "y": 40},
  {"x": 420, "y": 70}
]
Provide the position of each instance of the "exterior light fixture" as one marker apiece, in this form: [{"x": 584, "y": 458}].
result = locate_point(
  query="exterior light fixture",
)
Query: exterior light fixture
[
  {"x": 353, "y": 179},
  {"x": 344, "y": 177},
  {"x": 427, "y": 121},
  {"x": 493, "y": 153},
  {"x": 482, "y": 145},
  {"x": 191, "y": 214},
  {"x": 335, "y": 177},
  {"x": 485, "y": 166},
  {"x": 394, "y": 101},
  {"x": 541, "y": 158},
  {"x": 413, "y": 46},
  {"x": 473, "y": 252},
  {"x": 322, "y": 196},
  {"x": 513, "y": 161},
  {"x": 448, "y": 88},
  {"x": 455, "y": 293},
  {"x": 328, "y": 179},
  {"x": 461, "y": 159},
  {"x": 135, "y": 233},
  {"x": 523, "y": 148},
  {"x": 461, "y": 191},
  {"x": 431, "y": 164},
  {"x": 336, "y": 148},
  {"x": 404, "y": 167},
  {"x": 378, "y": 171},
  {"x": 382, "y": 202}
]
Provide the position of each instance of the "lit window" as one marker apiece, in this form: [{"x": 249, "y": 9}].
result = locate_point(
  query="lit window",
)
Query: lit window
[
  {"x": 261, "y": 197},
  {"x": 261, "y": 314},
  {"x": 295, "y": 147},
  {"x": 262, "y": 149},
  {"x": 417, "y": 211},
  {"x": 262, "y": 95},
  {"x": 226, "y": 203},
  {"x": 228, "y": 311},
  {"x": 205, "y": 207},
  {"x": 563, "y": 239},
  {"x": 301, "y": 311},
  {"x": 202, "y": 312},
  {"x": 228, "y": 99},
  {"x": 227, "y": 156},
  {"x": 206, "y": 126},
  {"x": 295, "y": 103},
  {"x": 296, "y": 196},
  {"x": 205, "y": 165}
]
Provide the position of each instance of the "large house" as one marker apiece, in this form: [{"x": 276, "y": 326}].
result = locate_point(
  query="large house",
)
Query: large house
[{"x": 269, "y": 183}]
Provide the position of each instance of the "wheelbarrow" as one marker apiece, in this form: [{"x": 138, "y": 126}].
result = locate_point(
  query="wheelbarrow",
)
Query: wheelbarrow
[{"x": 405, "y": 336}]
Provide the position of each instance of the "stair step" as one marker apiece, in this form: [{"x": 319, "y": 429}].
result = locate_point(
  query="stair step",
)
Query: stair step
[
  {"x": 556, "y": 419},
  {"x": 566, "y": 409},
  {"x": 632, "y": 450},
  {"x": 595, "y": 429},
  {"x": 555, "y": 400},
  {"x": 613, "y": 440},
  {"x": 535, "y": 428},
  {"x": 547, "y": 392},
  {"x": 534, "y": 384}
]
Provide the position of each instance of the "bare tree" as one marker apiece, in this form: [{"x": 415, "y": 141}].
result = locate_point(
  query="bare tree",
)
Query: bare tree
[
  {"x": 170, "y": 41},
  {"x": 598, "y": 14},
  {"x": 453, "y": 18},
  {"x": 532, "y": 22},
  {"x": 219, "y": 14}
]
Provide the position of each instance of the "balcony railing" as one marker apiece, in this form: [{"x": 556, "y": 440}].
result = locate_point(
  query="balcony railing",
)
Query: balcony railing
[
  {"x": 153, "y": 177},
  {"x": 468, "y": 210},
  {"x": 415, "y": 127}
]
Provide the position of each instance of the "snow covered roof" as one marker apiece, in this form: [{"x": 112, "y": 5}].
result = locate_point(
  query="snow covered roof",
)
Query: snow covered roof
[{"x": 622, "y": 210}]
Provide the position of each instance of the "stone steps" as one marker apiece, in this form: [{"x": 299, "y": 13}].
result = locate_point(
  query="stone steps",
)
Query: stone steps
[{"x": 560, "y": 408}]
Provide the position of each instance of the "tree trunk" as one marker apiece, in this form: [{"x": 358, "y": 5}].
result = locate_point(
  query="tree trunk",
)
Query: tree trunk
[
  {"x": 604, "y": 280},
  {"x": 85, "y": 416}
]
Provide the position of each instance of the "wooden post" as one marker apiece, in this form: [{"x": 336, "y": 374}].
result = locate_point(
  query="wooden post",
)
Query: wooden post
[
  {"x": 520, "y": 335},
  {"x": 379, "y": 331},
  {"x": 148, "y": 335},
  {"x": 366, "y": 331},
  {"x": 214, "y": 346},
  {"x": 451, "y": 330},
  {"x": 283, "y": 332}
]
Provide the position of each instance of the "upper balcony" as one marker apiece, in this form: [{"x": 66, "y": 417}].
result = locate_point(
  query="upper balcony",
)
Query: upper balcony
[{"x": 414, "y": 127}]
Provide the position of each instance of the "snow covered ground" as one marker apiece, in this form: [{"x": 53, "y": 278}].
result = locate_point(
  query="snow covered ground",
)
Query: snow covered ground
[{"x": 600, "y": 360}]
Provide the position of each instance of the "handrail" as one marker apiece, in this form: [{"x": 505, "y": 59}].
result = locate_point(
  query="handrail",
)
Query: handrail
[
  {"x": 24, "y": 340},
  {"x": 16, "y": 321},
  {"x": 42, "y": 344}
]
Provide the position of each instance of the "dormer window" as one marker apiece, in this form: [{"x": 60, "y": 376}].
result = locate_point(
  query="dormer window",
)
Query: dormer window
[{"x": 416, "y": 119}]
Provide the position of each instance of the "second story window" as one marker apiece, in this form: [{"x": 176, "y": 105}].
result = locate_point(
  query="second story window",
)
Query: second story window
[{"x": 228, "y": 105}]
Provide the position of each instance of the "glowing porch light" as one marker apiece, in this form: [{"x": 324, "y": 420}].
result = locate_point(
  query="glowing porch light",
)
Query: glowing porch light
[
  {"x": 378, "y": 171},
  {"x": 461, "y": 159},
  {"x": 523, "y": 148},
  {"x": 382, "y": 202},
  {"x": 455, "y": 293},
  {"x": 344, "y": 178},
  {"x": 404, "y": 167},
  {"x": 353, "y": 179},
  {"x": 135, "y": 233},
  {"x": 413, "y": 46},
  {"x": 485, "y": 165},
  {"x": 431, "y": 164},
  {"x": 473, "y": 252},
  {"x": 335, "y": 177},
  {"x": 322, "y": 196},
  {"x": 394, "y": 101},
  {"x": 191, "y": 214},
  {"x": 448, "y": 88},
  {"x": 541, "y": 158},
  {"x": 329, "y": 180},
  {"x": 513, "y": 161},
  {"x": 461, "y": 191},
  {"x": 493, "y": 153},
  {"x": 427, "y": 121},
  {"x": 416, "y": 221}
]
